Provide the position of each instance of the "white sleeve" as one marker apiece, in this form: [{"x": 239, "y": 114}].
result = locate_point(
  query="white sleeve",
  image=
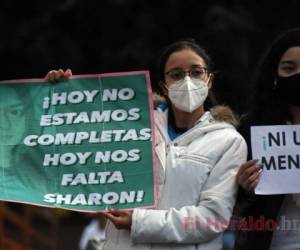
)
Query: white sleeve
[{"x": 202, "y": 222}]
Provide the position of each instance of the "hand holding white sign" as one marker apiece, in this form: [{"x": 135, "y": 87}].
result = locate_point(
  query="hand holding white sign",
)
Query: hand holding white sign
[
  {"x": 248, "y": 175},
  {"x": 278, "y": 150}
]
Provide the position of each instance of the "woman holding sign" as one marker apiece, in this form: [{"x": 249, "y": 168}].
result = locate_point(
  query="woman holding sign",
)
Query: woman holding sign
[
  {"x": 198, "y": 151},
  {"x": 276, "y": 101}
]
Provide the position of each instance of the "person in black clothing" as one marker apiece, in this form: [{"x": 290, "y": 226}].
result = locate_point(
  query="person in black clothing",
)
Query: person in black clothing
[{"x": 276, "y": 101}]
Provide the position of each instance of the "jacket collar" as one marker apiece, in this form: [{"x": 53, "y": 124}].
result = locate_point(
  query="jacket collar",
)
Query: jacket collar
[{"x": 219, "y": 117}]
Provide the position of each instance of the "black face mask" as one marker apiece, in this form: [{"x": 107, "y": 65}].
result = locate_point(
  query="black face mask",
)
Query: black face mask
[{"x": 288, "y": 88}]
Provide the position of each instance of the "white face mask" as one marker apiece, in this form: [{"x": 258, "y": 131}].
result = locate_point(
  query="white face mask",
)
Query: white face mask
[{"x": 188, "y": 94}]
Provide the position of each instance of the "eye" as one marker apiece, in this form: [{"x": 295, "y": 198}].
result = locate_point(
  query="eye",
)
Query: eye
[
  {"x": 16, "y": 112},
  {"x": 197, "y": 72},
  {"x": 176, "y": 74},
  {"x": 288, "y": 68}
]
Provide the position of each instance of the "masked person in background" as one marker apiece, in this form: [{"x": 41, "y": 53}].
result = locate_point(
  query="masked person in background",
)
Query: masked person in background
[
  {"x": 276, "y": 101},
  {"x": 93, "y": 235},
  {"x": 198, "y": 151}
]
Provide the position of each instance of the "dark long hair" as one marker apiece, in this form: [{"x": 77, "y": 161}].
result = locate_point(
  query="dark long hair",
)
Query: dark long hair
[
  {"x": 266, "y": 106},
  {"x": 178, "y": 46}
]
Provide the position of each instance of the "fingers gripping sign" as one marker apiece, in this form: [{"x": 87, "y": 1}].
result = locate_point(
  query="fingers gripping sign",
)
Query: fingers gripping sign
[
  {"x": 248, "y": 175},
  {"x": 120, "y": 218},
  {"x": 54, "y": 76}
]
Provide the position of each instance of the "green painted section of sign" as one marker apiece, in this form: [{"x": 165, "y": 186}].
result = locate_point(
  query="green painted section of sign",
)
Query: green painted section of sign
[{"x": 82, "y": 144}]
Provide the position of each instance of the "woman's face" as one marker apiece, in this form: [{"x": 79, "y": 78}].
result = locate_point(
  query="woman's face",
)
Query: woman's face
[
  {"x": 12, "y": 120},
  {"x": 185, "y": 61},
  {"x": 289, "y": 63}
]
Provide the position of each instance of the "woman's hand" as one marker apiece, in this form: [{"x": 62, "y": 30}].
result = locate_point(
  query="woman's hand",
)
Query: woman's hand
[
  {"x": 120, "y": 218},
  {"x": 248, "y": 175},
  {"x": 57, "y": 75}
]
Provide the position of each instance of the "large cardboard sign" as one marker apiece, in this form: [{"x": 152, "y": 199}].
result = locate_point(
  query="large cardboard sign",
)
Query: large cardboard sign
[{"x": 84, "y": 143}]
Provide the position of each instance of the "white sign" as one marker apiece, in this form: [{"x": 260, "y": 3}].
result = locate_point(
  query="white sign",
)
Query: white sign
[{"x": 278, "y": 150}]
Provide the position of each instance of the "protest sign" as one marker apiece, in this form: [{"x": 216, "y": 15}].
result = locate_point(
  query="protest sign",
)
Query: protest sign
[
  {"x": 83, "y": 144},
  {"x": 278, "y": 150}
]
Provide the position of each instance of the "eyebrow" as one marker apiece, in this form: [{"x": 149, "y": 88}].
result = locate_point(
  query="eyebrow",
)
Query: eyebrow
[
  {"x": 13, "y": 106},
  {"x": 192, "y": 66},
  {"x": 287, "y": 62},
  {"x": 198, "y": 65}
]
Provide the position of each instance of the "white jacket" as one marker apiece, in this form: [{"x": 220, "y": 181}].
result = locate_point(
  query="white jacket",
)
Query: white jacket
[{"x": 197, "y": 188}]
